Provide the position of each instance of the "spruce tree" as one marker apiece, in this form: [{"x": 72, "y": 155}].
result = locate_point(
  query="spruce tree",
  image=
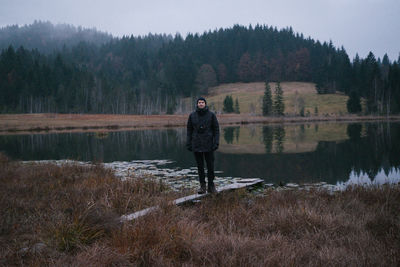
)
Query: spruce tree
[
  {"x": 316, "y": 111},
  {"x": 302, "y": 110},
  {"x": 302, "y": 106},
  {"x": 237, "y": 109},
  {"x": 228, "y": 104},
  {"x": 267, "y": 100},
  {"x": 353, "y": 104},
  {"x": 279, "y": 106}
]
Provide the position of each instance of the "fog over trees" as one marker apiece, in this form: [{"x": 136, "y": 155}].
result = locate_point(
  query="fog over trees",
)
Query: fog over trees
[
  {"x": 60, "y": 68},
  {"x": 47, "y": 38}
]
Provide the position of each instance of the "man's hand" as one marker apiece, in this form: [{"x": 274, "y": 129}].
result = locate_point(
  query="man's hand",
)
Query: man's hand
[{"x": 215, "y": 147}]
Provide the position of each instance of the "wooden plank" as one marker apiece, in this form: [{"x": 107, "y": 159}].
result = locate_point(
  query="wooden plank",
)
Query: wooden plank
[
  {"x": 137, "y": 214},
  {"x": 239, "y": 184}
]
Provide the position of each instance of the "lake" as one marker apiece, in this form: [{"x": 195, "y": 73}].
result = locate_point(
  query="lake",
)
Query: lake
[{"x": 301, "y": 153}]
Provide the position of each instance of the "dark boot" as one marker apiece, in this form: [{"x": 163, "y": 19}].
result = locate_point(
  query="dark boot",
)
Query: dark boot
[
  {"x": 211, "y": 188},
  {"x": 202, "y": 189}
]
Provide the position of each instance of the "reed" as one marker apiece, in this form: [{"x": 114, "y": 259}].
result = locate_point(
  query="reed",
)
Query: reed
[{"x": 67, "y": 215}]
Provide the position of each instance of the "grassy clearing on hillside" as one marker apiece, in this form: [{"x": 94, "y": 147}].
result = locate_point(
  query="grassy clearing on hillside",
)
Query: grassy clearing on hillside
[
  {"x": 65, "y": 216},
  {"x": 250, "y": 98}
]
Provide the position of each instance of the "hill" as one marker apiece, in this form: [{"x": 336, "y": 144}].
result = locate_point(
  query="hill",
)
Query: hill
[
  {"x": 151, "y": 74},
  {"x": 250, "y": 96},
  {"x": 47, "y": 37}
]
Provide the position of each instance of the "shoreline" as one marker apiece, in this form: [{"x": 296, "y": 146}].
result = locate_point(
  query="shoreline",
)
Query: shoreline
[
  {"x": 58, "y": 123},
  {"x": 186, "y": 179}
]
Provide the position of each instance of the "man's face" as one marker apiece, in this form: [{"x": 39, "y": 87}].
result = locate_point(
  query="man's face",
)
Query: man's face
[{"x": 201, "y": 104}]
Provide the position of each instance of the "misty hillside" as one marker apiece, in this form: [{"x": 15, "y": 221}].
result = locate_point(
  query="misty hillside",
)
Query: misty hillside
[
  {"x": 46, "y": 37},
  {"x": 152, "y": 74}
]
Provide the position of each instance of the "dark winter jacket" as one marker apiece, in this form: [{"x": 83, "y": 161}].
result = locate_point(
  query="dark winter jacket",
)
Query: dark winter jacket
[{"x": 202, "y": 131}]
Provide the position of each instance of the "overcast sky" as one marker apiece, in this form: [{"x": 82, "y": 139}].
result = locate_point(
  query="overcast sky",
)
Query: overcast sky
[{"x": 359, "y": 25}]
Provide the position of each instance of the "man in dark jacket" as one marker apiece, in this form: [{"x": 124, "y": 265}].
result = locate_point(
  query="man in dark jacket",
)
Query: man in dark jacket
[{"x": 203, "y": 140}]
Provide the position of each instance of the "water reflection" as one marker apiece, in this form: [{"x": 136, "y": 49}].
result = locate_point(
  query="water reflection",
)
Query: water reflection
[
  {"x": 331, "y": 152},
  {"x": 106, "y": 147},
  {"x": 231, "y": 133},
  {"x": 354, "y": 131},
  {"x": 279, "y": 134},
  {"x": 382, "y": 177},
  {"x": 268, "y": 138}
]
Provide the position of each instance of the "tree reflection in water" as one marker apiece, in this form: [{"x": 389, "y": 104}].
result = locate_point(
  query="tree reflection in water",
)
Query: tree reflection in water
[
  {"x": 296, "y": 153},
  {"x": 231, "y": 133}
]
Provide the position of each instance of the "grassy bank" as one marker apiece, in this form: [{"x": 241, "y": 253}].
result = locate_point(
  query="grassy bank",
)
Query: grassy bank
[
  {"x": 67, "y": 215},
  {"x": 50, "y": 211},
  {"x": 44, "y": 123}
]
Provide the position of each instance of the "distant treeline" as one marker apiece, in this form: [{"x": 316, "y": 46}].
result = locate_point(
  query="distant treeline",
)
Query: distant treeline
[{"x": 150, "y": 74}]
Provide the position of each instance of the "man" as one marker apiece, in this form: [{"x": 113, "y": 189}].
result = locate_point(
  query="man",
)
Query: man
[{"x": 203, "y": 140}]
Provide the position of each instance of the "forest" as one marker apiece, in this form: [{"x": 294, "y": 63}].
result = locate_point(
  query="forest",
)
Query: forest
[{"x": 64, "y": 69}]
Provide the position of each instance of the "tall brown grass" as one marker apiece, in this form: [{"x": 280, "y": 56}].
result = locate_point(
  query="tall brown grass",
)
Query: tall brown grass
[
  {"x": 65, "y": 207},
  {"x": 360, "y": 226},
  {"x": 357, "y": 227}
]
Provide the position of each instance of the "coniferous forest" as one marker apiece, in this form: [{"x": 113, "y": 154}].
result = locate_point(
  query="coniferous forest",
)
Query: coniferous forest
[{"x": 47, "y": 68}]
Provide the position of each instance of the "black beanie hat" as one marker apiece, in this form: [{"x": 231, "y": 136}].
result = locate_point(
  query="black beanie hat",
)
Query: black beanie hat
[{"x": 201, "y": 98}]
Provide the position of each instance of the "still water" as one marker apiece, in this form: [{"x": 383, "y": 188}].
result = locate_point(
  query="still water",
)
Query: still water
[{"x": 329, "y": 152}]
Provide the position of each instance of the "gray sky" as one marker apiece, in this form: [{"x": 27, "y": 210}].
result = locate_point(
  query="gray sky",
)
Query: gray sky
[{"x": 359, "y": 25}]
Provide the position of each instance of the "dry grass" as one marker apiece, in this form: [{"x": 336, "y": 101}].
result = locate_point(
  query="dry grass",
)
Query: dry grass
[
  {"x": 356, "y": 227},
  {"x": 66, "y": 208},
  {"x": 46, "y": 122},
  {"x": 72, "y": 211},
  {"x": 102, "y": 123}
]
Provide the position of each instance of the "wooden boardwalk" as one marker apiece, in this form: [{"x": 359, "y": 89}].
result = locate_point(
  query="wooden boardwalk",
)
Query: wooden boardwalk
[{"x": 239, "y": 184}]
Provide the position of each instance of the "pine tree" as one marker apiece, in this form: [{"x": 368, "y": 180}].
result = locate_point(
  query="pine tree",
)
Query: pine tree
[
  {"x": 267, "y": 100},
  {"x": 372, "y": 82},
  {"x": 279, "y": 106},
  {"x": 245, "y": 68},
  {"x": 205, "y": 78},
  {"x": 302, "y": 110},
  {"x": 302, "y": 105},
  {"x": 228, "y": 104},
  {"x": 316, "y": 111},
  {"x": 236, "y": 108},
  {"x": 353, "y": 104}
]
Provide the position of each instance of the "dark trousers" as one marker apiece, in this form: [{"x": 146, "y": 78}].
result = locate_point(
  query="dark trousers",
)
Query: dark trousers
[{"x": 209, "y": 157}]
